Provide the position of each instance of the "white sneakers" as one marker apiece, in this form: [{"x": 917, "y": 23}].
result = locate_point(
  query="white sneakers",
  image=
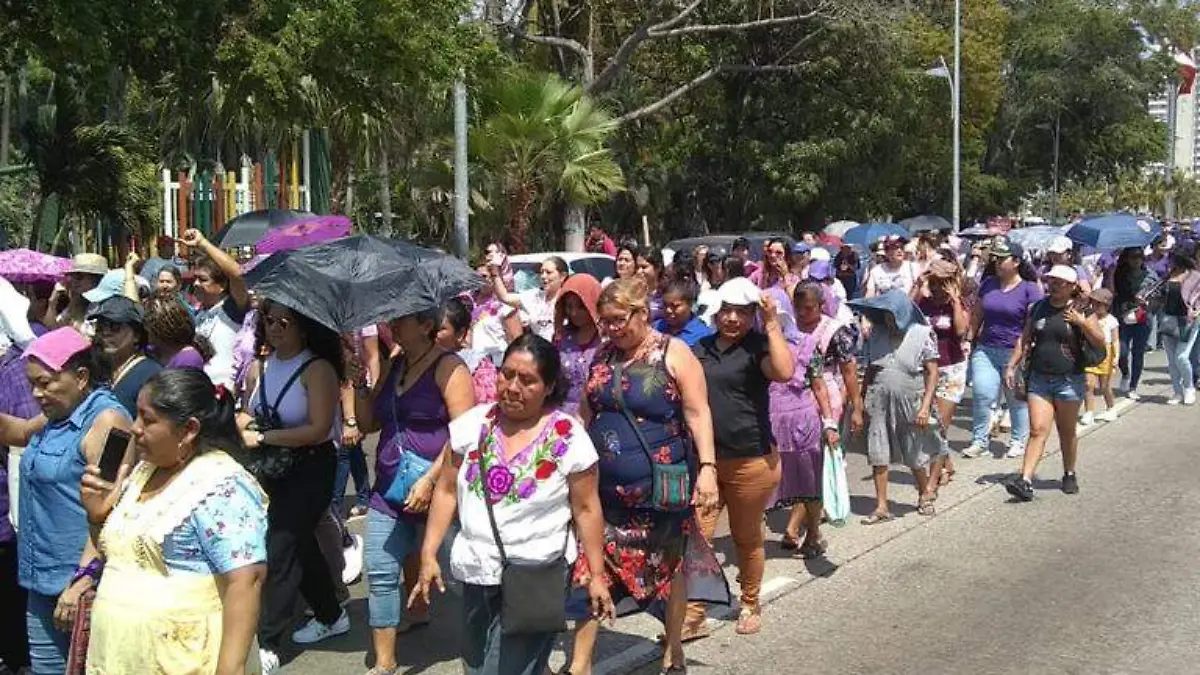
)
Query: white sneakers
[
  {"x": 974, "y": 450},
  {"x": 1189, "y": 396},
  {"x": 1087, "y": 419},
  {"x": 269, "y": 661},
  {"x": 1132, "y": 396},
  {"x": 315, "y": 631},
  {"x": 1109, "y": 415},
  {"x": 353, "y": 557},
  {"x": 1015, "y": 450}
]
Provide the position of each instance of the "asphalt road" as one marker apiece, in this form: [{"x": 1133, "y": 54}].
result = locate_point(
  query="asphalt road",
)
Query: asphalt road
[{"x": 1100, "y": 582}]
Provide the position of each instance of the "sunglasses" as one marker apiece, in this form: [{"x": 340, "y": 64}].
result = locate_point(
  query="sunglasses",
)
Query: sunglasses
[{"x": 281, "y": 322}]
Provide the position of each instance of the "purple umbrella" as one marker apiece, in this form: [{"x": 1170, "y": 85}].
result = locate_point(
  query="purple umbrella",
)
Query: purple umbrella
[
  {"x": 303, "y": 233},
  {"x": 25, "y": 266}
]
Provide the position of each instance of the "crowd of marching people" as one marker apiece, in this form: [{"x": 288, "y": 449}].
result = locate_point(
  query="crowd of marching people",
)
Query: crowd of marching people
[{"x": 550, "y": 453}]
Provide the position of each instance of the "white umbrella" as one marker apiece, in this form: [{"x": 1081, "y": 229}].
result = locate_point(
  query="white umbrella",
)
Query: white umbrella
[{"x": 839, "y": 228}]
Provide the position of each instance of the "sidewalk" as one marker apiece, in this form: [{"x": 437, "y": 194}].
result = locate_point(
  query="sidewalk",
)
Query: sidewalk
[{"x": 629, "y": 647}]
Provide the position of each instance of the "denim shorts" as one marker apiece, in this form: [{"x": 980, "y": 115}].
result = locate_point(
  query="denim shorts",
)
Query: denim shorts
[{"x": 1057, "y": 387}]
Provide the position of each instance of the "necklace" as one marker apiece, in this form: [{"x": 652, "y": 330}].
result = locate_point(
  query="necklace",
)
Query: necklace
[{"x": 407, "y": 376}]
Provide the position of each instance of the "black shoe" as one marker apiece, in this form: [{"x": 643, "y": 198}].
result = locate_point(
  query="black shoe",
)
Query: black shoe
[
  {"x": 1070, "y": 484},
  {"x": 1019, "y": 488}
]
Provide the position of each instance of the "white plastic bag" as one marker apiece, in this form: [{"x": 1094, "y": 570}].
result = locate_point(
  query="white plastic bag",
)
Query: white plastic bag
[{"x": 836, "y": 490}]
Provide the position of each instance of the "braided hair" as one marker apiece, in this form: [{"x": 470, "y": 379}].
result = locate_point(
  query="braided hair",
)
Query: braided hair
[{"x": 167, "y": 322}]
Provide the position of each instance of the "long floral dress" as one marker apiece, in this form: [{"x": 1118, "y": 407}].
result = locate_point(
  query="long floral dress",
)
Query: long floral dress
[{"x": 645, "y": 548}]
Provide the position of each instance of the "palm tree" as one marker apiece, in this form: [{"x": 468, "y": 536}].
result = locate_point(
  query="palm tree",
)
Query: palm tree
[
  {"x": 545, "y": 139},
  {"x": 88, "y": 172}
]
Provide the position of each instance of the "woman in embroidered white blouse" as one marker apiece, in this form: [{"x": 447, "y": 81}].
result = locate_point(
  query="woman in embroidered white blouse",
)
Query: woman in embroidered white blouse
[{"x": 536, "y": 465}]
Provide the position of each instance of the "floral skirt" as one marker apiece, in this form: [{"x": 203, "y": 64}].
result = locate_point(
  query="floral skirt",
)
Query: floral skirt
[{"x": 643, "y": 551}]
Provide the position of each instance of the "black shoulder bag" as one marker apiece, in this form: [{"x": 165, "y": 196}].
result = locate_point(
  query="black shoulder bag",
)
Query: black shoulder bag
[
  {"x": 533, "y": 596},
  {"x": 272, "y": 462},
  {"x": 671, "y": 483}
]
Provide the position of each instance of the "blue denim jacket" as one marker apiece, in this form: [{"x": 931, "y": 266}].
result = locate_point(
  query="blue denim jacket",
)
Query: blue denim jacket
[{"x": 53, "y": 524}]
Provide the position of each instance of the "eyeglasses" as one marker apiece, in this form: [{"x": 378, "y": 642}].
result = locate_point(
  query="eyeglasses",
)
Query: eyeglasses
[
  {"x": 615, "y": 323},
  {"x": 281, "y": 322}
]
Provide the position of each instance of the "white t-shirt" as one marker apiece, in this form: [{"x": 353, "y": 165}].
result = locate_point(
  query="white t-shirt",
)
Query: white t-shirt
[
  {"x": 487, "y": 333},
  {"x": 1109, "y": 325},
  {"x": 537, "y": 312},
  {"x": 534, "y": 513},
  {"x": 14, "y": 318},
  {"x": 883, "y": 279},
  {"x": 220, "y": 329}
]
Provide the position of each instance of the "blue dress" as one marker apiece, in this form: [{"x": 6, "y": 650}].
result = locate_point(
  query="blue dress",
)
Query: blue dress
[{"x": 645, "y": 548}]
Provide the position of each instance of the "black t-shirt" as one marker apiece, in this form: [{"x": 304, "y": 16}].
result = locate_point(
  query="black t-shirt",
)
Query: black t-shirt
[
  {"x": 1056, "y": 347},
  {"x": 126, "y": 390},
  {"x": 737, "y": 395}
]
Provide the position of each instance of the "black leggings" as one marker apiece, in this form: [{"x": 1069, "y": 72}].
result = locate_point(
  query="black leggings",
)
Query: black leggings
[
  {"x": 295, "y": 565},
  {"x": 14, "y": 646}
]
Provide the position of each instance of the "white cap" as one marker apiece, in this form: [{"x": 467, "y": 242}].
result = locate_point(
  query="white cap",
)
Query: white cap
[
  {"x": 819, "y": 253},
  {"x": 738, "y": 291},
  {"x": 1060, "y": 245},
  {"x": 1063, "y": 272}
]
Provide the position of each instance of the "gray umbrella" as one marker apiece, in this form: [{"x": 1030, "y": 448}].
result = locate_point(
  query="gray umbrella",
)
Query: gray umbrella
[
  {"x": 927, "y": 223},
  {"x": 248, "y": 228}
]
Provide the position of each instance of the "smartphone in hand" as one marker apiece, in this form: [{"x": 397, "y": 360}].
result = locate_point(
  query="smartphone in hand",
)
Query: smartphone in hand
[{"x": 114, "y": 452}]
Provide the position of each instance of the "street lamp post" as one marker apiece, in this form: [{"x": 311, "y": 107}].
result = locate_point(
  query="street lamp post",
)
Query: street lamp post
[
  {"x": 956, "y": 93},
  {"x": 1054, "y": 192}
]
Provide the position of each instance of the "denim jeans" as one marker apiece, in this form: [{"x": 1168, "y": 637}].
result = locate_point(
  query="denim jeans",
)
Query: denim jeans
[
  {"x": 488, "y": 652},
  {"x": 48, "y": 646},
  {"x": 351, "y": 462},
  {"x": 1179, "y": 357},
  {"x": 387, "y": 543},
  {"x": 1134, "y": 339},
  {"x": 987, "y": 381}
]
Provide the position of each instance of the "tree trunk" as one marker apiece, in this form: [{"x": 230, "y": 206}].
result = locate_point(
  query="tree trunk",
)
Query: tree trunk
[
  {"x": 385, "y": 188},
  {"x": 5, "y": 121},
  {"x": 518, "y": 219},
  {"x": 575, "y": 224}
]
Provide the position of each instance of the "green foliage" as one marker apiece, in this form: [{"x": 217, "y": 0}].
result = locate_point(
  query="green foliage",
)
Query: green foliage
[{"x": 542, "y": 138}]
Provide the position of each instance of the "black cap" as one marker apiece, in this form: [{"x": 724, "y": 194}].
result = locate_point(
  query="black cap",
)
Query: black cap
[
  {"x": 740, "y": 242},
  {"x": 118, "y": 309}
]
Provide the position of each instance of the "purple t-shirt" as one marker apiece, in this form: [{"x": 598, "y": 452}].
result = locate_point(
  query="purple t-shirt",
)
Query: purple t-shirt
[
  {"x": 1004, "y": 312},
  {"x": 187, "y": 357}
]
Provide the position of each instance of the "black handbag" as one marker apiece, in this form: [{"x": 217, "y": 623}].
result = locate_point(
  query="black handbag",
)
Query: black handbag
[
  {"x": 671, "y": 483},
  {"x": 533, "y": 596},
  {"x": 269, "y": 462}
]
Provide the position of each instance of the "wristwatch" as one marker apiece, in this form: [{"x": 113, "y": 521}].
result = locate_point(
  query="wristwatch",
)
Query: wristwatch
[
  {"x": 351, "y": 422},
  {"x": 829, "y": 424},
  {"x": 261, "y": 438}
]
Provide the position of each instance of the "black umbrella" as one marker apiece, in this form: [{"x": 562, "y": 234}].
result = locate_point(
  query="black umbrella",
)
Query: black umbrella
[
  {"x": 248, "y": 228},
  {"x": 349, "y": 283}
]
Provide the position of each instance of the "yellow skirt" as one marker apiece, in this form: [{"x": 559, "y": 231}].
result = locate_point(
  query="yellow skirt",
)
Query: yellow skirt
[
  {"x": 150, "y": 624},
  {"x": 1106, "y": 368}
]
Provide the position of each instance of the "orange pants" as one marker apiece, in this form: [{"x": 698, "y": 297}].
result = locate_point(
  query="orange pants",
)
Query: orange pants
[{"x": 746, "y": 485}]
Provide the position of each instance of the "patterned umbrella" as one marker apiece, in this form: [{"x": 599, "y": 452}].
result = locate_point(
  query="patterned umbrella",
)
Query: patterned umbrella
[
  {"x": 303, "y": 233},
  {"x": 24, "y": 266},
  {"x": 839, "y": 228}
]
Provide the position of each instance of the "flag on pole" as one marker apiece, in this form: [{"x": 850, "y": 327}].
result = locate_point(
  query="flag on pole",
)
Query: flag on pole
[
  {"x": 1187, "y": 72},
  {"x": 939, "y": 71}
]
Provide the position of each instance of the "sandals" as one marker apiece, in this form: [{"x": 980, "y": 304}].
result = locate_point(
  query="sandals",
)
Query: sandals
[
  {"x": 689, "y": 635},
  {"x": 925, "y": 506},
  {"x": 789, "y": 542},
  {"x": 810, "y": 551},
  {"x": 947, "y": 477},
  {"x": 749, "y": 622},
  {"x": 877, "y": 518}
]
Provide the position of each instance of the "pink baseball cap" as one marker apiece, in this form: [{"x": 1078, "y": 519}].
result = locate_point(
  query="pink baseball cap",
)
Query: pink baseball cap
[{"x": 57, "y": 347}]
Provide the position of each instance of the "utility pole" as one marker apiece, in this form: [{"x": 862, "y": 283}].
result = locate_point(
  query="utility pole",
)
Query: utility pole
[
  {"x": 462, "y": 186},
  {"x": 1172, "y": 122},
  {"x": 1054, "y": 193}
]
